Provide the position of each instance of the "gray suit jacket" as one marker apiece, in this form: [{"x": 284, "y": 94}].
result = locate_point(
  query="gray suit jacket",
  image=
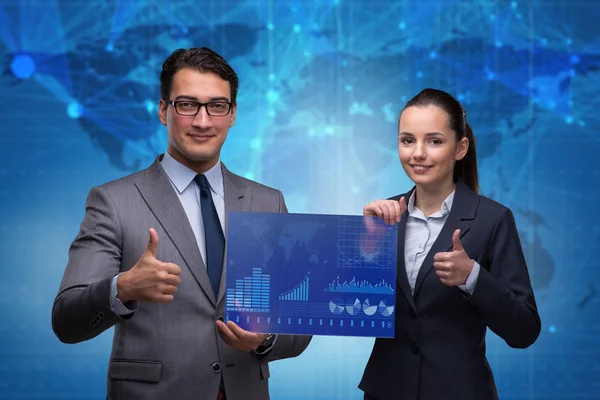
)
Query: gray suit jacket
[{"x": 162, "y": 351}]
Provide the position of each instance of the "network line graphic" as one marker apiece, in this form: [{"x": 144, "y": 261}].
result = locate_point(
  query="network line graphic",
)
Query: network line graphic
[
  {"x": 526, "y": 73},
  {"x": 299, "y": 293}
]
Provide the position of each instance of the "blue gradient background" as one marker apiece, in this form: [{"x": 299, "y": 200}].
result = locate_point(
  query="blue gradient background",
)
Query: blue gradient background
[{"x": 322, "y": 83}]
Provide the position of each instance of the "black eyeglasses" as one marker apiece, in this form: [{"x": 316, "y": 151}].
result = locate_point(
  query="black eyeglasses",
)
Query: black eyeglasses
[{"x": 189, "y": 108}]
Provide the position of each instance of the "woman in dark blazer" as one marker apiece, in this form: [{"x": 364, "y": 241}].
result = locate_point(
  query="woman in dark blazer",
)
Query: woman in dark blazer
[{"x": 461, "y": 267}]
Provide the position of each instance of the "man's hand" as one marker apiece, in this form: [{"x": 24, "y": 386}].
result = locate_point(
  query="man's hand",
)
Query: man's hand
[
  {"x": 388, "y": 210},
  {"x": 238, "y": 338},
  {"x": 149, "y": 280},
  {"x": 453, "y": 268}
]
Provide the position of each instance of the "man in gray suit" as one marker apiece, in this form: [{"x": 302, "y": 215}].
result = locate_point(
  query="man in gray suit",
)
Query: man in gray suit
[{"x": 149, "y": 256}]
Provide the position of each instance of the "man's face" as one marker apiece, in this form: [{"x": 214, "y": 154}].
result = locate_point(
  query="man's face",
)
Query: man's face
[{"x": 196, "y": 141}]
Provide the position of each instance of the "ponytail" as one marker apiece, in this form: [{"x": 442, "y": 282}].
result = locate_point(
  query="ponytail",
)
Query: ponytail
[{"x": 466, "y": 169}]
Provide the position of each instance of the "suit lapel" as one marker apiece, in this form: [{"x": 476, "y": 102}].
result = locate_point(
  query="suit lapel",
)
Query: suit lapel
[
  {"x": 464, "y": 207},
  {"x": 443, "y": 243},
  {"x": 236, "y": 199},
  {"x": 157, "y": 191},
  {"x": 401, "y": 271}
]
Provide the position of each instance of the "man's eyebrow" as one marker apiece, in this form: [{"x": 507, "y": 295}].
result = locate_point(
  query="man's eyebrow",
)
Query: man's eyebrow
[
  {"x": 186, "y": 97},
  {"x": 219, "y": 98}
]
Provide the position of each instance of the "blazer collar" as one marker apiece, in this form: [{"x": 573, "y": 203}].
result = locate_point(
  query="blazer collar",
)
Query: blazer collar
[
  {"x": 464, "y": 209},
  {"x": 464, "y": 203},
  {"x": 238, "y": 197},
  {"x": 237, "y": 193},
  {"x": 156, "y": 189}
]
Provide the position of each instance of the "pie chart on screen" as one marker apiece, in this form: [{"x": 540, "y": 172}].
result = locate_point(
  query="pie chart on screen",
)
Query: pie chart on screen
[
  {"x": 385, "y": 310},
  {"x": 353, "y": 306},
  {"x": 336, "y": 306},
  {"x": 368, "y": 308}
]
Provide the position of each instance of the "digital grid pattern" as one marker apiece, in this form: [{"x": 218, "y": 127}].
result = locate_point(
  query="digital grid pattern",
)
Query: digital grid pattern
[
  {"x": 375, "y": 249},
  {"x": 322, "y": 84}
]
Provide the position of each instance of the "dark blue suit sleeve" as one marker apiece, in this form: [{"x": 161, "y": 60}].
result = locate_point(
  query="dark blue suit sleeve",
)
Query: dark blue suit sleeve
[{"x": 503, "y": 294}]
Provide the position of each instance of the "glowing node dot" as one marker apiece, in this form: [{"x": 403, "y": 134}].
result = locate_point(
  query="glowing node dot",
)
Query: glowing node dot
[{"x": 22, "y": 66}]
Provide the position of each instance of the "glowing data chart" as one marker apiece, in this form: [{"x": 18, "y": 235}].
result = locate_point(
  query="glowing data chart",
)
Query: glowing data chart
[{"x": 311, "y": 274}]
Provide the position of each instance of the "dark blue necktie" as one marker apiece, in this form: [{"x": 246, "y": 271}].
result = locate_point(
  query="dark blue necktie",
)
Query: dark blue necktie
[{"x": 213, "y": 234}]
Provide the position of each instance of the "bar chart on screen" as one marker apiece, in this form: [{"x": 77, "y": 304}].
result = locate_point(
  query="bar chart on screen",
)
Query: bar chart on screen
[{"x": 311, "y": 274}]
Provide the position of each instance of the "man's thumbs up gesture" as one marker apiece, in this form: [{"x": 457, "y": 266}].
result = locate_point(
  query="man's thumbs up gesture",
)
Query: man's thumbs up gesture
[
  {"x": 149, "y": 280},
  {"x": 453, "y": 268}
]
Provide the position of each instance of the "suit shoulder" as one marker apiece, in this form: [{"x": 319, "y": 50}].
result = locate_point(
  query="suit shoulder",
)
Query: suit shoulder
[
  {"x": 492, "y": 207},
  {"x": 122, "y": 183},
  {"x": 240, "y": 182}
]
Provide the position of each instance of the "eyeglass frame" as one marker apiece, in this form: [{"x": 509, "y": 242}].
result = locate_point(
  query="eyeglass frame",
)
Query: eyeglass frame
[{"x": 200, "y": 105}]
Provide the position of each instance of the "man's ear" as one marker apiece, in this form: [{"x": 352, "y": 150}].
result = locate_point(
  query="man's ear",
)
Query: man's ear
[{"x": 162, "y": 112}]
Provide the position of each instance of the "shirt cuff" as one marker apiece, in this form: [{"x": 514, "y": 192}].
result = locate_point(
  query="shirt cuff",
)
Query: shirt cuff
[
  {"x": 469, "y": 286},
  {"x": 116, "y": 305},
  {"x": 268, "y": 349}
]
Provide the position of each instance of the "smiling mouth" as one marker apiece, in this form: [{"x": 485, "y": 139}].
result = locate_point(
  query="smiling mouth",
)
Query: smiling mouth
[
  {"x": 199, "y": 136},
  {"x": 420, "y": 168}
]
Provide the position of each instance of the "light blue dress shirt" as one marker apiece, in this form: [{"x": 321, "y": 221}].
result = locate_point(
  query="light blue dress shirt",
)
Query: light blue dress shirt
[{"x": 421, "y": 233}]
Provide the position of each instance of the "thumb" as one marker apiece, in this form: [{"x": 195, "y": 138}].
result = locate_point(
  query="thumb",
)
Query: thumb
[
  {"x": 456, "y": 241},
  {"x": 402, "y": 203},
  {"x": 402, "y": 200},
  {"x": 152, "y": 243}
]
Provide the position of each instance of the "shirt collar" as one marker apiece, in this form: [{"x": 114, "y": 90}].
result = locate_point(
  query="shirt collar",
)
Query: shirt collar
[
  {"x": 444, "y": 210},
  {"x": 181, "y": 176}
]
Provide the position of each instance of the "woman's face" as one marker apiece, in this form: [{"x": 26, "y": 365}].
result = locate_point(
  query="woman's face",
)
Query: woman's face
[{"x": 427, "y": 147}]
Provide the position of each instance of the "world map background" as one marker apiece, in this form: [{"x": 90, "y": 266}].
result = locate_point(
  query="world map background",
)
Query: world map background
[{"x": 322, "y": 83}]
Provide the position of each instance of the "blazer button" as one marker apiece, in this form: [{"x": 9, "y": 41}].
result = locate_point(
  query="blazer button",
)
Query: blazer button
[
  {"x": 221, "y": 319},
  {"x": 216, "y": 367},
  {"x": 415, "y": 348}
]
